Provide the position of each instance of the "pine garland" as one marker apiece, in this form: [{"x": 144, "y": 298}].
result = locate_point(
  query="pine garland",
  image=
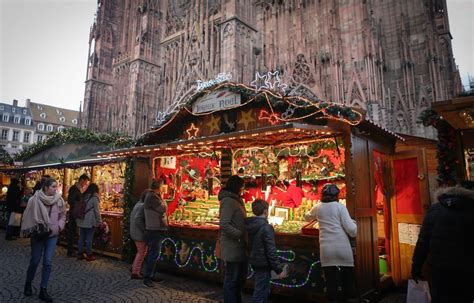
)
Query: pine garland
[
  {"x": 128, "y": 247},
  {"x": 5, "y": 158},
  {"x": 446, "y": 148},
  {"x": 76, "y": 135}
]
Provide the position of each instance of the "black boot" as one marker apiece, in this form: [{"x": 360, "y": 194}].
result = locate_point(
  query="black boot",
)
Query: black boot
[
  {"x": 28, "y": 291},
  {"x": 44, "y": 296}
]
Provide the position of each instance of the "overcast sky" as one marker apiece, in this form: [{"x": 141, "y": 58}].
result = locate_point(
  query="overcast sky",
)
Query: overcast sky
[{"x": 44, "y": 44}]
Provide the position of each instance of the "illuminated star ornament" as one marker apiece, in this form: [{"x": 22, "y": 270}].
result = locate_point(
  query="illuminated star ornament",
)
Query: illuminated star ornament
[
  {"x": 214, "y": 123},
  {"x": 192, "y": 131},
  {"x": 273, "y": 81},
  {"x": 209, "y": 260},
  {"x": 272, "y": 118},
  {"x": 246, "y": 118},
  {"x": 260, "y": 82}
]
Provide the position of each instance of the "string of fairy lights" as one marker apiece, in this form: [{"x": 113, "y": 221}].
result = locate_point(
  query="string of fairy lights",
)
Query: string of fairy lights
[
  {"x": 210, "y": 263},
  {"x": 320, "y": 110}
]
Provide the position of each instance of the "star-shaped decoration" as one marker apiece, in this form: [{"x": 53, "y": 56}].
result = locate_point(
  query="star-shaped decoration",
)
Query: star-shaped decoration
[
  {"x": 214, "y": 123},
  {"x": 246, "y": 118},
  {"x": 260, "y": 82},
  {"x": 192, "y": 131},
  {"x": 168, "y": 252},
  {"x": 273, "y": 80},
  {"x": 209, "y": 260}
]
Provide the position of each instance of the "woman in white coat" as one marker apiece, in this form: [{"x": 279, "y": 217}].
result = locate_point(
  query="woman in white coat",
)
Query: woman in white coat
[{"x": 335, "y": 228}]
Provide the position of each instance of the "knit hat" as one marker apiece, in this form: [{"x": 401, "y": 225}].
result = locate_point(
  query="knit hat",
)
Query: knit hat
[{"x": 329, "y": 192}]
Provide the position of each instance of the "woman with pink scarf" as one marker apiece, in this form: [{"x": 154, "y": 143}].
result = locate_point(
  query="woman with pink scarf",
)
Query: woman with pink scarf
[{"x": 43, "y": 220}]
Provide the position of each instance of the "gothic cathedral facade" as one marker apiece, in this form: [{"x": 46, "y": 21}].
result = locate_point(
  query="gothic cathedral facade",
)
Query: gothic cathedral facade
[{"x": 391, "y": 58}]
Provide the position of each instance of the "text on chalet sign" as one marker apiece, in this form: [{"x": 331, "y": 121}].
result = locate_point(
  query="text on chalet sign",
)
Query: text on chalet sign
[{"x": 216, "y": 101}]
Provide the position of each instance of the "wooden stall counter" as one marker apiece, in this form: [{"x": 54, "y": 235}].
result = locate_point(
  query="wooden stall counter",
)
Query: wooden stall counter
[{"x": 190, "y": 250}]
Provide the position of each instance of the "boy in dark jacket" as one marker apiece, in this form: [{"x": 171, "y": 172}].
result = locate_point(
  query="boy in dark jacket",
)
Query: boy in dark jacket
[{"x": 263, "y": 257}]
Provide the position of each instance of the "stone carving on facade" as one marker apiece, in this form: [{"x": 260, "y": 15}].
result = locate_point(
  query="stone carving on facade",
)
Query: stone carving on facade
[{"x": 375, "y": 56}]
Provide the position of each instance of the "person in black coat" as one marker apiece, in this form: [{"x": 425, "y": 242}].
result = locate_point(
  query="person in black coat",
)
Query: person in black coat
[
  {"x": 447, "y": 234},
  {"x": 263, "y": 256},
  {"x": 13, "y": 205}
]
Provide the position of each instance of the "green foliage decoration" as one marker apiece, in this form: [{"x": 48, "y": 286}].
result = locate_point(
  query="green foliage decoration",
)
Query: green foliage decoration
[
  {"x": 446, "y": 148},
  {"x": 5, "y": 158},
  {"x": 76, "y": 135},
  {"x": 128, "y": 246}
]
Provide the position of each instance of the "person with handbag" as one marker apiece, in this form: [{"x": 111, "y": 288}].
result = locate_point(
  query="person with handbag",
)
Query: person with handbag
[
  {"x": 73, "y": 198},
  {"x": 233, "y": 238},
  {"x": 90, "y": 219},
  {"x": 335, "y": 229},
  {"x": 44, "y": 218},
  {"x": 13, "y": 208}
]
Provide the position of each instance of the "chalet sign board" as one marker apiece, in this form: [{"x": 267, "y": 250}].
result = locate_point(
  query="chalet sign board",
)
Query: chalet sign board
[{"x": 218, "y": 100}]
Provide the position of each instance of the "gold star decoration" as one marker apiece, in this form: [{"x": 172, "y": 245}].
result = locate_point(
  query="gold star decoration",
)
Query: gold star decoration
[
  {"x": 246, "y": 118},
  {"x": 209, "y": 260},
  {"x": 192, "y": 131},
  {"x": 168, "y": 252},
  {"x": 214, "y": 123}
]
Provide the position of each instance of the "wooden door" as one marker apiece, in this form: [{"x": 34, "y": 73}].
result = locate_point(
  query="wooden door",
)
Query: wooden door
[{"x": 410, "y": 200}]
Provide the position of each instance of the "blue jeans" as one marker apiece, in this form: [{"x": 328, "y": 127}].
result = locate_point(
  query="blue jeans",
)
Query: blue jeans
[
  {"x": 153, "y": 241},
  {"x": 262, "y": 286},
  {"x": 86, "y": 235},
  {"x": 234, "y": 280},
  {"x": 38, "y": 247}
]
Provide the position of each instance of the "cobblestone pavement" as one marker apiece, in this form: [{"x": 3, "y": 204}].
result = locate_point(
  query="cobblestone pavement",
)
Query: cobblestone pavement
[{"x": 104, "y": 280}]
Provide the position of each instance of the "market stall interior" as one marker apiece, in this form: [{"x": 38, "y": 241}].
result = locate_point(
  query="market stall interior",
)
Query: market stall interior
[{"x": 286, "y": 148}]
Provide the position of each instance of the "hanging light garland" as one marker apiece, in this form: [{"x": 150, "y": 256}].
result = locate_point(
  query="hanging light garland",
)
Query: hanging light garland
[
  {"x": 210, "y": 263},
  {"x": 294, "y": 108}
]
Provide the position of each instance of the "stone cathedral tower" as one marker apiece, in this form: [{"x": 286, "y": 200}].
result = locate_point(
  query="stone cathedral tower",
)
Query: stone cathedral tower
[{"x": 388, "y": 57}]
